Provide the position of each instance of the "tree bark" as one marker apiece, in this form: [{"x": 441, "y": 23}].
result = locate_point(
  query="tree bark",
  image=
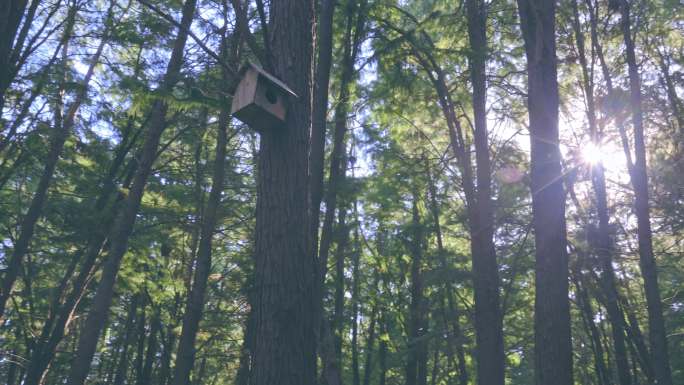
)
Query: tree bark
[
  {"x": 553, "y": 347},
  {"x": 285, "y": 281},
  {"x": 123, "y": 225}
]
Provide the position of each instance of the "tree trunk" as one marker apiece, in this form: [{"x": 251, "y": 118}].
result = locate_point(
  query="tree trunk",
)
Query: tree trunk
[
  {"x": 145, "y": 376},
  {"x": 370, "y": 340},
  {"x": 603, "y": 246},
  {"x": 61, "y": 130},
  {"x": 356, "y": 292},
  {"x": 11, "y": 14},
  {"x": 125, "y": 220},
  {"x": 195, "y": 304},
  {"x": 324, "y": 42},
  {"x": 382, "y": 354},
  {"x": 553, "y": 347},
  {"x": 141, "y": 334},
  {"x": 337, "y": 325},
  {"x": 488, "y": 320},
  {"x": 451, "y": 317},
  {"x": 583, "y": 303},
  {"x": 639, "y": 177},
  {"x": 416, "y": 362},
  {"x": 285, "y": 281},
  {"x": 122, "y": 367},
  {"x": 338, "y": 167}
]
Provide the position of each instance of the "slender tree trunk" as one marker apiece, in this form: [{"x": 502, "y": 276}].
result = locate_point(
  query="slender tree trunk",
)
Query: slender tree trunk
[
  {"x": 488, "y": 320},
  {"x": 553, "y": 347},
  {"x": 382, "y": 354},
  {"x": 356, "y": 292},
  {"x": 141, "y": 334},
  {"x": 337, "y": 156},
  {"x": 451, "y": 317},
  {"x": 145, "y": 376},
  {"x": 338, "y": 166},
  {"x": 602, "y": 373},
  {"x": 324, "y": 42},
  {"x": 671, "y": 87},
  {"x": 285, "y": 281},
  {"x": 416, "y": 368},
  {"x": 337, "y": 324},
  {"x": 603, "y": 245},
  {"x": 370, "y": 340},
  {"x": 62, "y": 128},
  {"x": 639, "y": 177},
  {"x": 195, "y": 304},
  {"x": 637, "y": 340},
  {"x": 123, "y": 225},
  {"x": 244, "y": 368},
  {"x": 122, "y": 367}
]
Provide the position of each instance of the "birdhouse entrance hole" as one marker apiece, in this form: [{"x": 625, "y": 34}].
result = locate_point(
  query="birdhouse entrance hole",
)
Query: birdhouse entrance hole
[{"x": 271, "y": 95}]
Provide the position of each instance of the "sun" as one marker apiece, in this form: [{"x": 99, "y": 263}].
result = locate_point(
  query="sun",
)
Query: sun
[
  {"x": 592, "y": 154},
  {"x": 608, "y": 154}
]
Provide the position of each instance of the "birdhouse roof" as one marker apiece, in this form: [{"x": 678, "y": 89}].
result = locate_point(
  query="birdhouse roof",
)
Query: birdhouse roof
[{"x": 268, "y": 77}]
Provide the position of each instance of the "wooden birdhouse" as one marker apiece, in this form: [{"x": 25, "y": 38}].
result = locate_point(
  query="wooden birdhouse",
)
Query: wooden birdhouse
[{"x": 260, "y": 98}]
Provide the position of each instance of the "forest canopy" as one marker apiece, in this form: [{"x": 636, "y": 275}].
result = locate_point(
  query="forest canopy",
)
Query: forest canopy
[{"x": 342, "y": 192}]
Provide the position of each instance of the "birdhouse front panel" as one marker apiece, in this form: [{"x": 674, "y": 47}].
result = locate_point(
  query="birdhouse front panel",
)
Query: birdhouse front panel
[
  {"x": 260, "y": 99},
  {"x": 270, "y": 98}
]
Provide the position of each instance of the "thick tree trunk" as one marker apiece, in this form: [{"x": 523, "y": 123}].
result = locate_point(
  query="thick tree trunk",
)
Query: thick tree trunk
[
  {"x": 553, "y": 347},
  {"x": 639, "y": 177},
  {"x": 285, "y": 281},
  {"x": 123, "y": 225}
]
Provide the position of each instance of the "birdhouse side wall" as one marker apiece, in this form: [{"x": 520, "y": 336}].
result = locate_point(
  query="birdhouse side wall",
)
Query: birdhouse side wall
[{"x": 246, "y": 91}]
